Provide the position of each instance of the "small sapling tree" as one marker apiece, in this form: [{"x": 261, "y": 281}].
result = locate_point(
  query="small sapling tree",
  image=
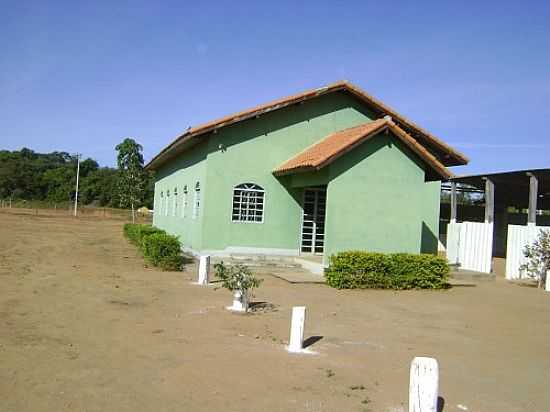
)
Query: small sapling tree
[
  {"x": 239, "y": 280},
  {"x": 538, "y": 258}
]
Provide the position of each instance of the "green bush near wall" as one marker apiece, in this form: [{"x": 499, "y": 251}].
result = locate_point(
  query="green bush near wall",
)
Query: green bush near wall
[
  {"x": 359, "y": 269},
  {"x": 159, "y": 248}
]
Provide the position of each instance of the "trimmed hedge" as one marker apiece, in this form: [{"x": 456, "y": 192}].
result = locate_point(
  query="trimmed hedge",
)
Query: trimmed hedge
[
  {"x": 163, "y": 250},
  {"x": 135, "y": 232},
  {"x": 158, "y": 247},
  {"x": 358, "y": 269}
]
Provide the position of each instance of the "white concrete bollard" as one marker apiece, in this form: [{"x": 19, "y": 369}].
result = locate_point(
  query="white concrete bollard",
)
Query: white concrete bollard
[
  {"x": 547, "y": 285},
  {"x": 204, "y": 270},
  {"x": 424, "y": 385},
  {"x": 240, "y": 302},
  {"x": 296, "y": 343}
]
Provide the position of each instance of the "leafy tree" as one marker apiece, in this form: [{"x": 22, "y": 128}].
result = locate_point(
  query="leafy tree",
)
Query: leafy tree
[
  {"x": 464, "y": 195},
  {"x": 538, "y": 258},
  {"x": 132, "y": 178},
  {"x": 59, "y": 183},
  {"x": 100, "y": 186},
  {"x": 25, "y": 174}
]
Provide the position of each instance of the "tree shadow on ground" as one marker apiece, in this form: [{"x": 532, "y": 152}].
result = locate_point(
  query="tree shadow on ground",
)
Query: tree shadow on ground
[{"x": 261, "y": 307}]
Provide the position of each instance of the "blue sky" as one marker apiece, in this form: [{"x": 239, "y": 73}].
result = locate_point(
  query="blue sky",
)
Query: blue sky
[{"x": 81, "y": 76}]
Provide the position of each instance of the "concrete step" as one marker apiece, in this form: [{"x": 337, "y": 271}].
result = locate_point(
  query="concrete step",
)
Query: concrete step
[
  {"x": 471, "y": 276},
  {"x": 272, "y": 262},
  {"x": 253, "y": 261}
]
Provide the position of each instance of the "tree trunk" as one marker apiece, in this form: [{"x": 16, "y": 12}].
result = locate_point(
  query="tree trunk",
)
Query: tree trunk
[{"x": 133, "y": 214}]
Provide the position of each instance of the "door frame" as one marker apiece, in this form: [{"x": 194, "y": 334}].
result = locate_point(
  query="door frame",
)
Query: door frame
[{"x": 313, "y": 189}]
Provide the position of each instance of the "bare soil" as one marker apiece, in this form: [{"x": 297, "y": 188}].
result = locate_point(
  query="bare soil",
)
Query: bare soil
[{"x": 85, "y": 326}]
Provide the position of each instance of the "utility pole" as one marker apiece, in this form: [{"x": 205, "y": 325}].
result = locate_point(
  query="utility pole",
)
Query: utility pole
[{"x": 77, "y": 176}]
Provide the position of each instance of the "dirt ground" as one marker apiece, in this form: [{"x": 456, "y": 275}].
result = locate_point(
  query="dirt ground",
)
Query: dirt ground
[{"x": 84, "y": 326}]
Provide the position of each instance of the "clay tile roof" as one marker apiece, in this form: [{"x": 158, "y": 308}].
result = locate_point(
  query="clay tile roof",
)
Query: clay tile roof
[
  {"x": 448, "y": 155},
  {"x": 336, "y": 144}
]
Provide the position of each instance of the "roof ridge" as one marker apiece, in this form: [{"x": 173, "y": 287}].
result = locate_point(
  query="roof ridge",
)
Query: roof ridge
[{"x": 197, "y": 131}]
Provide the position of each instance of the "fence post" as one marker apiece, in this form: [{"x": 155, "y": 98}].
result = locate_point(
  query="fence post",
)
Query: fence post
[
  {"x": 296, "y": 343},
  {"x": 204, "y": 269},
  {"x": 423, "y": 385}
]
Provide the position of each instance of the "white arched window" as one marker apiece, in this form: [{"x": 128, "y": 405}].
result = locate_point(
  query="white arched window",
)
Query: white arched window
[
  {"x": 175, "y": 210},
  {"x": 248, "y": 203},
  {"x": 184, "y": 201},
  {"x": 167, "y": 203},
  {"x": 197, "y": 202}
]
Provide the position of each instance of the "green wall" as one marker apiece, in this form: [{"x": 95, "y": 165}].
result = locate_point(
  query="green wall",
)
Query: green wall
[
  {"x": 185, "y": 170},
  {"x": 377, "y": 198},
  {"x": 251, "y": 151}
]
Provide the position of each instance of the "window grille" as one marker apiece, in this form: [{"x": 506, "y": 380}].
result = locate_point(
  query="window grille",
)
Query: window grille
[
  {"x": 197, "y": 203},
  {"x": 248, "y": 203}
]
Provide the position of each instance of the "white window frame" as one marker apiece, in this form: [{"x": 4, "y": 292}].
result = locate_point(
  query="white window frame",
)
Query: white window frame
[
  {"x": 166, "y": 212},
  {"x": 197, "y": 200},
  {"x": 250, "y": 188},
  {"x": 184, "y": 201}
]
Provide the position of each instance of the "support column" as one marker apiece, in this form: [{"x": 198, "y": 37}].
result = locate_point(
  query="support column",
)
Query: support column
[
  {"x": 489, "y": 201},
  {"x": 533, "y": 197},
  {"x": 453, "y": 202}
]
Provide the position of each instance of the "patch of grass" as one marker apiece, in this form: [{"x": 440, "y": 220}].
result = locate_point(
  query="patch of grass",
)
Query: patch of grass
[
  {"x": 357, "y": 387},
  {"x": 364, "y": 403}
]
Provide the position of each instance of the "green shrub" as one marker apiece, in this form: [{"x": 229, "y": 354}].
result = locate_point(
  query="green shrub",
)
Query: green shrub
[
  {"x": 135, "y": 232},
  {"x": 163, "y": 250},
  {"x": 358, "y": 269},
  {"x": 159, "y": 248}
]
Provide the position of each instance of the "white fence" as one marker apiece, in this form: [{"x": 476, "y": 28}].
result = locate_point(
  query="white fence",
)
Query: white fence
[
  {"x": 470, "y": 244},
  {"x": 518, "y": 238}
]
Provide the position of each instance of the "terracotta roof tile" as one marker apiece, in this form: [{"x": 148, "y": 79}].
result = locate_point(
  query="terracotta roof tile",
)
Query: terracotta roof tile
[
  {"x": 336, "y": 144},
  {"x": 449, "y": 155}
]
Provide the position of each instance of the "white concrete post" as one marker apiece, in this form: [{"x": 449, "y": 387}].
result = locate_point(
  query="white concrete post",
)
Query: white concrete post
[
  {"x": 296, "y": 343},
  {"x": 424, "y": 385},
  {"x": 547, "y": 286},
  {"x": 240, "y": 302},
  {"x": 204, "y": 270}
]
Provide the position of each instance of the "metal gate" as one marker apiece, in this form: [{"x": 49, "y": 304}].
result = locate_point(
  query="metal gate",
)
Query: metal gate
[
  {"x": 313, "y": 221},
  {"x": 519, "y": 237},
  {"x": 470, "y": 244}
]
